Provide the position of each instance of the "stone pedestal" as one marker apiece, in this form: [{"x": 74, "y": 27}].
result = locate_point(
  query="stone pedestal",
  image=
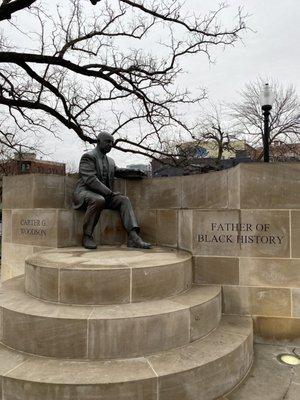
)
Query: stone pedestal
[
  {"x": 241, "y": 225},
  {"x": 117, "y": 323}
]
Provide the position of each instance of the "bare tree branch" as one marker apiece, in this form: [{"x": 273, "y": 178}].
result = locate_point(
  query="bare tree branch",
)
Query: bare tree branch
[
  {"x": 285, "y": 113},
  {"x": 9, "y": 7},
  {"x": 80, "y": 72}
]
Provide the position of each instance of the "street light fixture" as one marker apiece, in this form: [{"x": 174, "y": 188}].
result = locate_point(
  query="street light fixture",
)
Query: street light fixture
[{"x": 266, "y": 105}]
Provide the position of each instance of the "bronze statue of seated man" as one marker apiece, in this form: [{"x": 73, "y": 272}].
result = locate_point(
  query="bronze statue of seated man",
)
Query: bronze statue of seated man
[{"x": 94, "y": 191}]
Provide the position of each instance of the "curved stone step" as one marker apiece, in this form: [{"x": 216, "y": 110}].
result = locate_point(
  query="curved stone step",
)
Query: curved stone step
[
  {"x": 109, "y": 275},
  {"x": 203, "y": 370},
  {"x": 106, "y": 332}
]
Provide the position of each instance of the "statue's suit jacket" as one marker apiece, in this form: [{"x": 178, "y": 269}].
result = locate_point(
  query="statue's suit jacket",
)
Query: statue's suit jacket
[{"x": 91, "y": 176}]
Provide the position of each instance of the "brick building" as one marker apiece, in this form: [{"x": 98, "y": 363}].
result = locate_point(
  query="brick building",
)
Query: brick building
[
  {"x": 27, "y": 163},
  {"x": 280, "y": 151}
]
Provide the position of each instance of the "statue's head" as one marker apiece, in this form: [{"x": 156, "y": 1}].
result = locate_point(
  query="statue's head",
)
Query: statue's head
[{"x": 105, "y": 142}]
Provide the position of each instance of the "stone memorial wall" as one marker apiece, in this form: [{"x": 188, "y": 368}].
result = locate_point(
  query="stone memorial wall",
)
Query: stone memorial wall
[{"x": 242, "y": 226}]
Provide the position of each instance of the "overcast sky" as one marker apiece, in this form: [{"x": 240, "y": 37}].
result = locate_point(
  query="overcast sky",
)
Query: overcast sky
[{"x": 270, "y": 48}]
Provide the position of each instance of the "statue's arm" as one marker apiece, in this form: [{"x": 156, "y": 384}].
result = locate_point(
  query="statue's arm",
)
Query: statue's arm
[{"x": 88, "y": 173}]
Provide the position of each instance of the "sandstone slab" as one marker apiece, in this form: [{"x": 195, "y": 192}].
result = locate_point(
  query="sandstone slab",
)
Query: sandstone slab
[
  {"x": 185, "y": 373},
  {"x": 262, "y": 301},
  {"x": 261, "y": 186},
  {"x": 106, "y": 332},
  {"x": 109, "y": 275}
]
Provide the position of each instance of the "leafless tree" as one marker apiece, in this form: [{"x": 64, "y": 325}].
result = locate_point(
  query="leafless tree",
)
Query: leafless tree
[
  {"x": 217, "y": 128},
  {"x": 285, "y": 113},
  {"x": 92, "y": 68}
]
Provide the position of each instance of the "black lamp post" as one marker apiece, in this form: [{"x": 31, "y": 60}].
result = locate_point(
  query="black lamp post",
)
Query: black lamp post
[{"x": 266, "y": 105}]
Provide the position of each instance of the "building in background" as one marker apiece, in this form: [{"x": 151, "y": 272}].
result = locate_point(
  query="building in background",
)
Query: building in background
[
  {"x": 28, "y": 163},
  {"x": 142, "y": 167},
  {"x": 202, "y": 156},
  {"x": 281, "y": 152}
]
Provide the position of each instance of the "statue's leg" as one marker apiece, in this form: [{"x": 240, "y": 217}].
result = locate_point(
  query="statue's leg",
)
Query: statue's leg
[
  {"x": 123, "y": 204},
  {"x": 95, "y": 203}
]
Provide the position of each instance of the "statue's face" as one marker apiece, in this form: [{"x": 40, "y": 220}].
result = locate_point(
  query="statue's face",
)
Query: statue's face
[{"x": 105, "y": 143}]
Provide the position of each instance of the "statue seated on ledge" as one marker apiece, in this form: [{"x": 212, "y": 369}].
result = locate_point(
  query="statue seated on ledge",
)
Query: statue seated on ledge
[{"x": 94, "y": 192}]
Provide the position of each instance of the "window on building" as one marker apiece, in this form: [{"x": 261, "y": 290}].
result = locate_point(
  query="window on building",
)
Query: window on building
[
  {"x": 25, "y": 167},
  {"x": 201, "y": 152}
]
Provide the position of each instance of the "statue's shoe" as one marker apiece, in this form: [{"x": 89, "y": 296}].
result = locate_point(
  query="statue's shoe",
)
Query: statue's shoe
[
  {"x": 88, "y": 242},
  {"x": 138, "y": 242}
]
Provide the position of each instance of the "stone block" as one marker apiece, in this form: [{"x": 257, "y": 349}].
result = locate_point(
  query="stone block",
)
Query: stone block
[
  {"x": 296, "y": 303},
  {"x": 215, "y": 233},
  {"x": 42, "y": 282},
  {"x": 205, "y": 307},
  {"x": 119, "y": 331},
  {"x": 205, "y": 190},
  {"x": 35, "y": 227},
  {"x": 216, "y": 270},
  {"x": 46, "y": 379},
  {"x": 78, "y": 224},
  {"x": 164, "y": 193},
  {"x": 181, "y": 378},
  {"x": 273, "y": 272},
  {"x": 262, "y": 301},
  {"x": 6, "y": 226},
  {"x": 66, "y": 228},
  {"x": 185, "y": 229},
  {"x": 167, "y": 227},
  {"x": 147, "y": 222},
  {"x": 229, "y": 324},
  {"x": 48, "y": 191},
  {"x": 266, "y": 234},
  {"x": 111, "y": 229},
  {"x": 295, "y": 233},
  {"x": 210, "y": 312},
  {"x": 53, "y": 337},
  {"x": 131, "y": 337},
  {"x": 110, "y": 274},
  {"x": 9, "y": 360},
  {"x": 155, "y": 193},
  {"x": 216, "y": 190},
  {"x": 160, "y": 282},
  {"x": 18, "y": 191},
  {"x": 277, "y": 330},
  {"x": 233, "y": 176},
  {"x": 107, "y": 287},
  {"x": 136, "y": 190},
  {"x": 261, "y": 186},
  {"x": 34, "y": 191},
  {"x": 120, "y": 186},
  {"x": 13, "y": 259},
  {"x": 142, "y": 389},
  {"x": 1, "y": 326},
  {"x": 70, "y": 183},
  {"x": 194, "y": 191}
]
